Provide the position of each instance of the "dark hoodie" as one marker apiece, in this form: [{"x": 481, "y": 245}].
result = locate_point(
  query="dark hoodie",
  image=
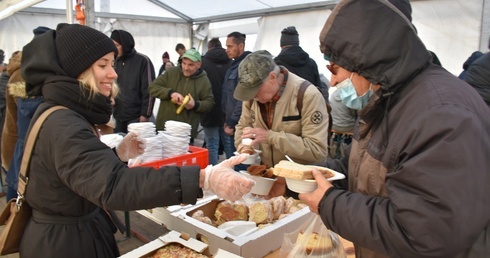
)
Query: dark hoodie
[
  {"x": 418, "y": 164},
  {"x": 135, "y": 72},
  {"x": 215, "y": 63},
  {"x": 232, "y": 108},
  {"x": 297, "y": 61},
  {"x": 478, "y": 76},
  {"x": 472, "y": 58}
]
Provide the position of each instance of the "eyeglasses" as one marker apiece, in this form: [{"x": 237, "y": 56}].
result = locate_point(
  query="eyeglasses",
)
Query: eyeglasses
[{"x": 333, "y": 68}]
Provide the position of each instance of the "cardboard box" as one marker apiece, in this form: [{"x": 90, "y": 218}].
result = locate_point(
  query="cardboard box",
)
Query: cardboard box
[
  {"x": 256, "y": 244},
  {"x": 183, "y": 239}
]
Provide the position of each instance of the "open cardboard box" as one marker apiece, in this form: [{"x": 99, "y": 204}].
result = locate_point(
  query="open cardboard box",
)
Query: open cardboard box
[
  {"x": 149, "y": 249},
  {"x": 256, "y": 244}
]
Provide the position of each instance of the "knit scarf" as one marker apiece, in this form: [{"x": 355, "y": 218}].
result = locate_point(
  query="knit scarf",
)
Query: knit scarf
[{"x": 67, "y": 91}]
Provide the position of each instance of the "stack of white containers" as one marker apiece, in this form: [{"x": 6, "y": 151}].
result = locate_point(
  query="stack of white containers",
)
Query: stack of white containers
[
  {"x": 154, "y": 146},
  {"x": 175, "y": 138}
]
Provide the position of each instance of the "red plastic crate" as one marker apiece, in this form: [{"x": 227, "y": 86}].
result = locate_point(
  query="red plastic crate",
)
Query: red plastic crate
[{"x": 195, "y": 157}]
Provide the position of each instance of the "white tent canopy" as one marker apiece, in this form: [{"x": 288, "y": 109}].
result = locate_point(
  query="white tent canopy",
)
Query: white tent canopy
[{"x": 453, "y": 29}]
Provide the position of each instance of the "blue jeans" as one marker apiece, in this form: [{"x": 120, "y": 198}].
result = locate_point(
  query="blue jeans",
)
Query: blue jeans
[
  {"x": 229, "y": 145},
  {"x": 212, "y": 137}
]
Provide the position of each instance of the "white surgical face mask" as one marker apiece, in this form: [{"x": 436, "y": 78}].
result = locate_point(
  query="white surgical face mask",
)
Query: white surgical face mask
[{"x": 349, "y": 97}]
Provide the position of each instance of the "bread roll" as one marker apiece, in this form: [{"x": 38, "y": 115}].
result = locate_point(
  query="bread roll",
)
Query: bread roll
[
  {"x": 278, "y": 206},
  {"x": 298, "y": 171},
  {"x": 315, "y": 244},
  {"x": 227, "y": 211},
  {"x": 260, "y": 212},
  {"x": 242, "y": 210},
  {"x": 199, "y": 215}
]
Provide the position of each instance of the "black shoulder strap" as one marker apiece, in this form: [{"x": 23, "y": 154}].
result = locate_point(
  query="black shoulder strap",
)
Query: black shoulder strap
[{"x": 301, "y": 93}]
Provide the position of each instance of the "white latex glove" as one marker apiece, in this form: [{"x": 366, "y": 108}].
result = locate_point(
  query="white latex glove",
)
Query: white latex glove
[
  {"x": 131, "y": 146},
  {"x": 225, "y": 182}
]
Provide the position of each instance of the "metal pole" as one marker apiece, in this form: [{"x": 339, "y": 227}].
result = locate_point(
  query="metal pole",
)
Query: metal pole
[
  {"x": 69, "y": 12},
  {"x": 90, "y": 13}
]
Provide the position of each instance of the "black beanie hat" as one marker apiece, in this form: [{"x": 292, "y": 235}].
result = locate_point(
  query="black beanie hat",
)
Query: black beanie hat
[
  {"x": 116, "y": 36},
  {"x": 40, "y": 30},
  {"x": 289, "y": 36},
  {"x": 78, "y": 47}
]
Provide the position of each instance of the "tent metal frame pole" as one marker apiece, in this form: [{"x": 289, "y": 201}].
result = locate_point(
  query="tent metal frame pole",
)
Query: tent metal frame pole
[{"x": 485, "y": 27}]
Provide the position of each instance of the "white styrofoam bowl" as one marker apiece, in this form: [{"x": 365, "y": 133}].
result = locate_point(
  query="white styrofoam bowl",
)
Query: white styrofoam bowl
[
  {"x": 252, "y": 159},
  {"x": 262, "y": 185},
  {"x": 301, "y": 186}
]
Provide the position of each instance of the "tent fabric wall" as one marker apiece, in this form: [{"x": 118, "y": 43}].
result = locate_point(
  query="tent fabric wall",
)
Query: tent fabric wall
[
  {"x": 451, "y": 28},
  {"x": 452, "y": 35},
  {"x": 16, "y": 30},
  {"x": 152, "y": 38}
]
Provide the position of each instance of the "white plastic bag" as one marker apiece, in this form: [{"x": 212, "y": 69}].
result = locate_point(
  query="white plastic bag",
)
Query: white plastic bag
[{"x": 312, "y": 239}]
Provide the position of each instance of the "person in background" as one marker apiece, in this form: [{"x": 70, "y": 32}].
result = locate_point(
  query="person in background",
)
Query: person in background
[
  {"x": 168, "y": 65},
  {"x": 325, "y": 86},
  {"x": 3, "y": 85},
  {"x": 297, "y": 61},
  {"x": 135, "y": 72},
  {"x": 4, "y": 77},
  {"x": 232, "y": 107},
  {"x": 73, "y": 176},
  {"x": 165, "y": 60},
  {"x": 180, "y": 49},
  {"x": 418, "y": 165},
  {"x": 20, "y": 109},
  {"x": 472, "y": 58},
  {"x": 12, "y": 147},
  {"x": 215, "y": 62},
  {"x": 343, "y": 121},
  {"x": 478, "y": 76},
  {"x": 272, "y": 118},
  {"x": 172, "y": 87}
]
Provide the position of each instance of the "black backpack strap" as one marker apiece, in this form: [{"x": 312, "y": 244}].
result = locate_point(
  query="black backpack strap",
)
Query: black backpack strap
[
  {"x": 299, "y": 104},
  {"x": 301, "y": 93}
]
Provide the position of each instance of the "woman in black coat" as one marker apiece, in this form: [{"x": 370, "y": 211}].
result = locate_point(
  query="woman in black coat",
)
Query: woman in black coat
[{"x": 74, "y": 177}]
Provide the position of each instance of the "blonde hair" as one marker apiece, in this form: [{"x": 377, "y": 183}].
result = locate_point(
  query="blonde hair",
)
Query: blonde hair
[{"x": 87, "y": 81}]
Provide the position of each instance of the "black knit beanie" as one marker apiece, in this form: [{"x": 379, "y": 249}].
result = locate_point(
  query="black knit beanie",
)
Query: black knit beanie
[
  {"x": 40, "y": 30},
  {"x": 289, "y": 36},
  {"x": 116, "y": 36},
  {"x": 78, "y": 47}
]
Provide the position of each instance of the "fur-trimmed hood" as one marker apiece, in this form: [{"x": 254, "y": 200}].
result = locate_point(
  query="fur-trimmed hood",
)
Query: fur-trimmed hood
[
  {"x": 18, "y": 89},
  {"x": 17, "y": 85}
]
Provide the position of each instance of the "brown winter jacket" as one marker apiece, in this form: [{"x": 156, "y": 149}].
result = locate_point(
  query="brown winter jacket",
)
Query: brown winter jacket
[
  {"x": 418, "y": 180},
  {"x": 14, "y": 89}
]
